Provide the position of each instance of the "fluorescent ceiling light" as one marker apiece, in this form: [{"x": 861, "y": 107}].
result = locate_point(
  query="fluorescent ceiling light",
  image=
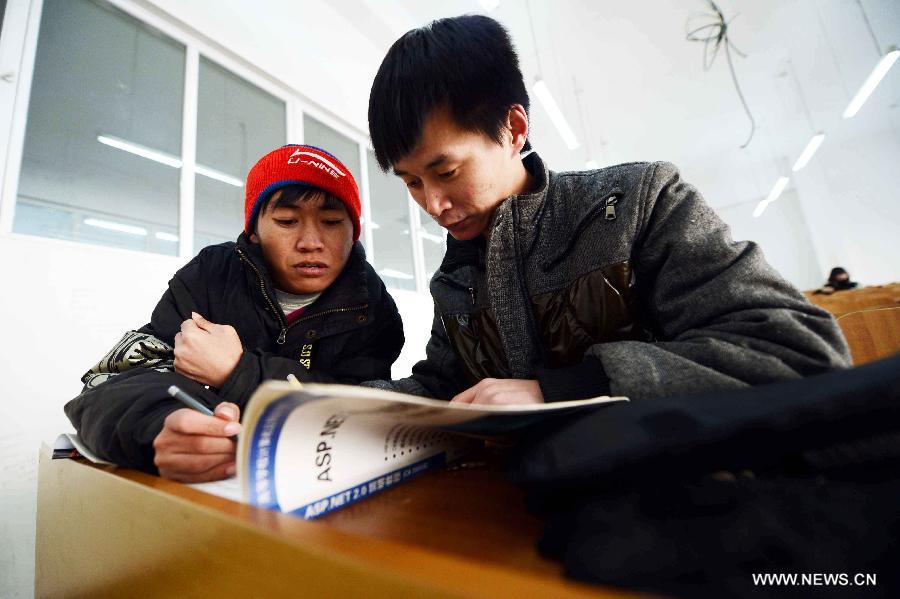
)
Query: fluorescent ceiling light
[
  {"x": 373, "y": 226},
  {"x": 140, "y": 150},
  {"x": 591, "y": 165},
  {"x": 562, "y": 125},
  {"x": 167, "y": 159},
  {"x": 489, "y": 5},
  {"x": 163, "y": 236},
  {"x": 808, "y": 151},
  {"x": 112, "y": 226},
  {"x": 218, "y": 175},
  {"x": 760, "y": 208},
  {"x": 779, "y": 186},
  {"x": 431, "y": 237},
  {"x": 875, "y": 77},
  {"x": 390, "y": 272}
]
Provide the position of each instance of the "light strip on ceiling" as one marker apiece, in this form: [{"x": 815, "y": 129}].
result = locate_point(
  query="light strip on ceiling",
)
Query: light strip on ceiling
[
  {"x": 164, "y": 158},
  {"x": 218, "y": 175},
  {"x": 559, "y": 120},
  {"x": 881, "y": 69},
  {"x": 431, "y": 237},
  {"x": 808, "y": 151},
  {"x": 779, "y": 186},
  {"x": 390, "y": 272},
  {"x": 139, "y": 150},
  {"x": 114, "y": 226}
]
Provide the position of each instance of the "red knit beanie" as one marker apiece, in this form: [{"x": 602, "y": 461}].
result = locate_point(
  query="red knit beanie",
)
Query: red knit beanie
[{"x": 300, "y": 165}]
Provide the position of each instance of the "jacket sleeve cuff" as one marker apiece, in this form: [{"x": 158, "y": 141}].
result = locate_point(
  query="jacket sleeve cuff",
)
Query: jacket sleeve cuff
[
  {"x": 579, "y": 381},
  {"x": 242, "y": 381}
]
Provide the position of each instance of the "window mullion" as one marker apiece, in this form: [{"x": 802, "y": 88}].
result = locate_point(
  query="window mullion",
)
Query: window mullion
[
  {"x": 16, "y": 15},
  {"x": 188, "y": 153},
  {"x": 418, "y": 251},
  {"x": 365, "y": 196}
]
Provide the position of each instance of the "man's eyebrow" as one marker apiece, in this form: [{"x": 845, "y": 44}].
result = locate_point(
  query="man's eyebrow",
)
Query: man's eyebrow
[{"x": 437, "y": 160}]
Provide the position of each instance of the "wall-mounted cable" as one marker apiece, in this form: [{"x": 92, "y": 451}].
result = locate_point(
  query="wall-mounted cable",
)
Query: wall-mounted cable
[{"x": 714, "y": 36}]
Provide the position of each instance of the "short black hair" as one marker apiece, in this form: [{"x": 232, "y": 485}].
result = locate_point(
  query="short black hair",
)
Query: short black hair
[
  {"x": 467, "y": 64},
  {"x": 291, "y": 194}
]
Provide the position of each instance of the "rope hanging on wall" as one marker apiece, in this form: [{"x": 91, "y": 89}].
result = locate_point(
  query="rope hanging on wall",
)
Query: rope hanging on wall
[{"x": 714, "y": 36}]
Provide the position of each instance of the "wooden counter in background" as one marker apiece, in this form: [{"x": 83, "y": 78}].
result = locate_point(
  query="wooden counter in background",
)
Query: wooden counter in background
[
  {"x": 103, "y": 531},
  {"x": 861, "y": 298},
  {"x": 869, "y": 318}
]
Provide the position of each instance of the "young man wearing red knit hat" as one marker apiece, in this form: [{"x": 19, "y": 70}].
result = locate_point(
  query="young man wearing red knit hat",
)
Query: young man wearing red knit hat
[{"x": 294, "y": 295}]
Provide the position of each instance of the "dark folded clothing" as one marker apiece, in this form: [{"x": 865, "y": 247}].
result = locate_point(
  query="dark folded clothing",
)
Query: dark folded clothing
[
  {"x": 811, "y": 486},
  {"x": 760, "y": 427},
  {"x": 710, "y": 538}
]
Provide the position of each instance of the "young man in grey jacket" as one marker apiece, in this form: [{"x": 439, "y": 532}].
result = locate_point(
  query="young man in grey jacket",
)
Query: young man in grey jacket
[{"x": 561, "y": 286}]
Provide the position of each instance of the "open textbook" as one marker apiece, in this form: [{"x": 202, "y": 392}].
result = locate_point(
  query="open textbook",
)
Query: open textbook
[{"x": 307, "y": 451}]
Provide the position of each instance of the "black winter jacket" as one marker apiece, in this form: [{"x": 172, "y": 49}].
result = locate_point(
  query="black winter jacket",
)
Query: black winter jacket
[{"x": 351, "y": 333}]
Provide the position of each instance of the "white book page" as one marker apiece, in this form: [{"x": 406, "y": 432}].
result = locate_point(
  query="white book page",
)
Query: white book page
[
  {"x": 67, "y": 441},
  {"x": 325, "y": 449},
  {"x": 229, "y": 488},
  {"x": 338, "y": 443}
]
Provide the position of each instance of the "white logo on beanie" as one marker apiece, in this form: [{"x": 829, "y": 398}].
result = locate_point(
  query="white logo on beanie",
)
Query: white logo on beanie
[{"x": 319, "y": 162}]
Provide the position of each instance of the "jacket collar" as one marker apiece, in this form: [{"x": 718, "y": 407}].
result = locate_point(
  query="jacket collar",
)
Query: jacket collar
[
  {"x": 351, "y": 287},
  {"x": 529, "y": 207}
]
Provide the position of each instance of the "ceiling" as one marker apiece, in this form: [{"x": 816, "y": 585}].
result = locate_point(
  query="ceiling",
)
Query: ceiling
[{"x": 633, "y": 88}]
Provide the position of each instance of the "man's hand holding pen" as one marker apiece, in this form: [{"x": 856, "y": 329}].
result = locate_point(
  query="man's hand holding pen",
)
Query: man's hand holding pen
[{"x": 194, "y": 447}]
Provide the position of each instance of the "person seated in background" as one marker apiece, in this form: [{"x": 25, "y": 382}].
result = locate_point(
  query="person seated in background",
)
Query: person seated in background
[
  {"x": 558, "y": 286},
  {"x": 838, "y": 280},
  {"x": 293, "y": 295}
]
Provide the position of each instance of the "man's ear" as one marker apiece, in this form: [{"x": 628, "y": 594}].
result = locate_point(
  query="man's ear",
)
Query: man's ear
[
  {"x": 254, "y": 238},
  {"x": 517, "y": 126}
]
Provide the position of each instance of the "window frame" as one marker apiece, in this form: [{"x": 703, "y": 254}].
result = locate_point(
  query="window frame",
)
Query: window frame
[{"x": 17, "y": 57}]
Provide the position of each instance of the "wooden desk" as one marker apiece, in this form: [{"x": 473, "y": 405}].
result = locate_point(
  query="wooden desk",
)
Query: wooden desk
[
  {"x": 108, "y": 532},
  {"x": 872, "y": 334},
  {"x": 854, "y": 300}
]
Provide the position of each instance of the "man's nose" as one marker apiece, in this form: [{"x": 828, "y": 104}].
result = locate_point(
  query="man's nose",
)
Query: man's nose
[
  {"x": 435, "y": 202},
  {"x": 310, "y": 239}
]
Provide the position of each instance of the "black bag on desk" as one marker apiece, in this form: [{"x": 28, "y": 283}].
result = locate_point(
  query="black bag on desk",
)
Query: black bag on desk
[{"x": 812, "y": 486}]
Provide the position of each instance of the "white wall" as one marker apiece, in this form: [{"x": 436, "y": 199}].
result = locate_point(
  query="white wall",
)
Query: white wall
[{"x": 62, "y": 307}]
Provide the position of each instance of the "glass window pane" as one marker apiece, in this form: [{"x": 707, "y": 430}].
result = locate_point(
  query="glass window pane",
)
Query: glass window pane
[
  {"x": 316, "y": 133},
  {"x": 391, "y": 236},
  {"x": 434, "y": 243},
  {"x": 324, "y": 137},
  {"x": 101, "y": 161},
  {"x": 236, "y": 124}
]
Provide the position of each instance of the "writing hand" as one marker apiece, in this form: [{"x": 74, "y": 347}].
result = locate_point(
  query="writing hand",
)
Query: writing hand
[{"x": 193, "y": 447}]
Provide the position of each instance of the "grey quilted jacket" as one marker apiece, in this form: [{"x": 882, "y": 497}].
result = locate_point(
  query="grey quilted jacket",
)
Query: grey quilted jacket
[{"x": 620, "y": 280}]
